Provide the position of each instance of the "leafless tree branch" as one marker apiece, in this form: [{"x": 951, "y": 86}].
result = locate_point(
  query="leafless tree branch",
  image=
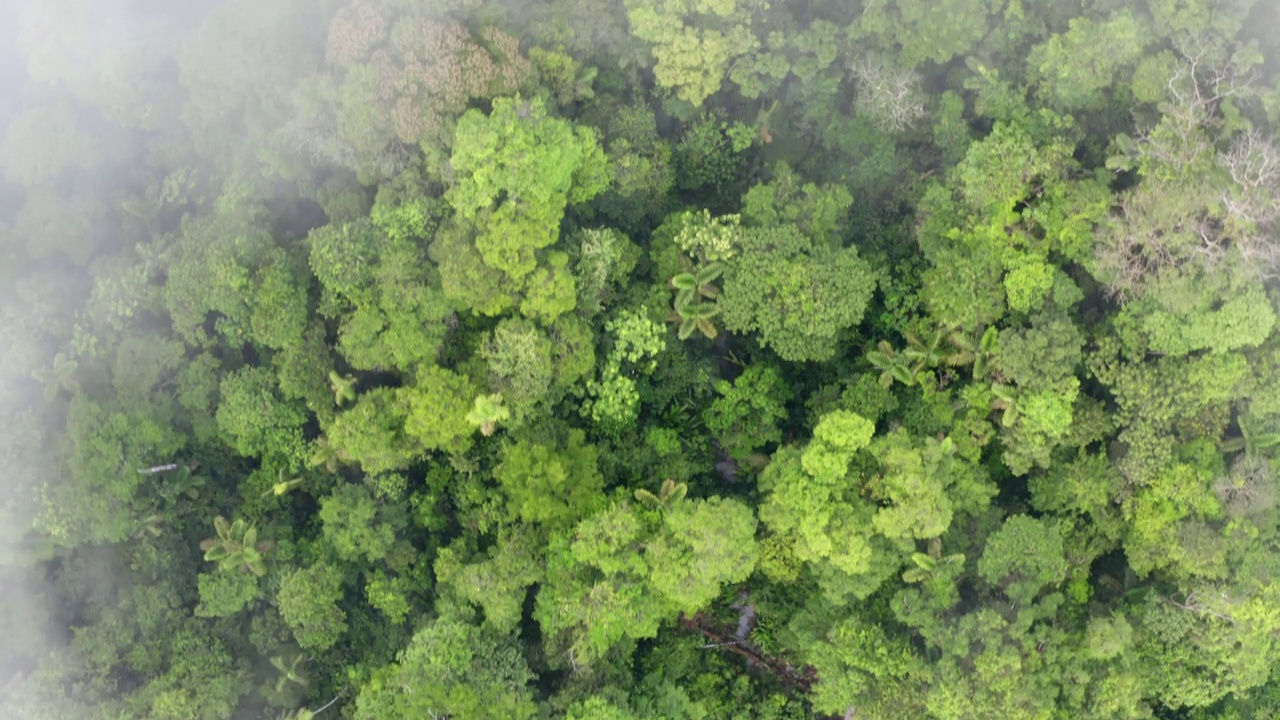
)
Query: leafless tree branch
[{"x": 888, "y": 94}]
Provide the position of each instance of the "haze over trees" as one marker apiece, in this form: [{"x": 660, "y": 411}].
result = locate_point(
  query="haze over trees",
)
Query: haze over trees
[{"x": 640, "y": 359}]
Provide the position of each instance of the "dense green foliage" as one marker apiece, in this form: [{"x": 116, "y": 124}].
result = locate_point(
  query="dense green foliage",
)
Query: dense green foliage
[{"x": 640, "y": 359}]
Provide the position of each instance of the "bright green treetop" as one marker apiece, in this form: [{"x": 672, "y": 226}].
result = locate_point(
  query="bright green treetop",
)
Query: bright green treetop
[{"x": 518, "y": 168}]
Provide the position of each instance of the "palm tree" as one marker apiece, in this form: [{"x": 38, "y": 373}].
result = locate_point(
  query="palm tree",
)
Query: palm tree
[
  {"x": 891, "y": 364},
  {"x": 290, "y": 668},
  {"x": 923, "y": 355},
  {"x": 343, "y": 387},
  {"x": 691, "y": 284},
  {"x": 694, "y": 308},
  {"x": 669, "y": 494},
  {"x": 283, "y": 485},
  {"x": 155, "y": 255},
  {"x": 978, "y": 353},
  {"x": 325, "y": 455},
  {"x": 152, "y": 525},
  {"x": 696, "y": 316},
  {"x": 926, "y": 563},
  {"x": 236, "y": 546},
  {"x": 60, "y": 377},
  {"x": 187, "y": 482},
  {"x": 1251, "y": 441},
  {"x": 1007, "y": 400},
  {"x": 487, "y": 411},
  {"x": 764, "y": 122},
  {"x": 145, "y": 208}
]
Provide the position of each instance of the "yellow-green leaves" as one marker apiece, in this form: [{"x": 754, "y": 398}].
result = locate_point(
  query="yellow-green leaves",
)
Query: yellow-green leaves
[
  {"x": 613, "y": 401},
  {"x": 451, "y": 669},
  {"x": 709, "y": 239},
  {"x": 1022, "y": 557},
  {"x": 837, "y": 436},
  {"x": 487, "y": 412},
  {"x": 256, "y": 419},
  {"x": 549, "y": 485},
  {"x": 1244, "y": 318},
  {"x": 517, "y": 169},
  {"x": 438, "y": 403},
  {"x": 308, "y": 601},
  {"x": 746, "y": 414},
  {"x": 356, "y": 525},
  {"x": 704, "y": 545},
  {"x": 1027, "y": 282},
  {"x": 693, "y": 45},
  {"x": 799, "y": 298},
  {"x": 1075, "y": 67}
]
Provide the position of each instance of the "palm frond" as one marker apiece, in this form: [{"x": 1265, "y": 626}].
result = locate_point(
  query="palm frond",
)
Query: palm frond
[
  {"x": 647, "y": 498},
  {"x": 880, "y": 360},
  {"x": 684, "y": 281},
  {"x": 709, "y": 273}
]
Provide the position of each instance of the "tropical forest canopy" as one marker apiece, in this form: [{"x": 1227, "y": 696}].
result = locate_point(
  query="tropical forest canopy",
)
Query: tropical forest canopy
[{"x": 640, "y": 359}]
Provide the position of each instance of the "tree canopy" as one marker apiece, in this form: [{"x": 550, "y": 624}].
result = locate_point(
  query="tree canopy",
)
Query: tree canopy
[{"x": 640, "y": 360}]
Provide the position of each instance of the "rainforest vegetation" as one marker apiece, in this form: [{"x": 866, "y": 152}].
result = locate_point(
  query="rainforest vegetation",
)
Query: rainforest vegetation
[{"x": 640, "y": 359}]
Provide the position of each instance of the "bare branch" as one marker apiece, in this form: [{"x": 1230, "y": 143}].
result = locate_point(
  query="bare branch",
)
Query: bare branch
[
  {"x": 1191, "y": 603},
  {"x": 1253, "y": 162},
  {"x": 1206, "y": 75},
  {"x": 329, "y": 704},
  {"x": 1252, "y": 203},
  {"x": 888, "y": 94},
  {"x": 1134, "y": 247},
  {"x": 158, "y": 469},
  {"x": 1249, "y": 489}
]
